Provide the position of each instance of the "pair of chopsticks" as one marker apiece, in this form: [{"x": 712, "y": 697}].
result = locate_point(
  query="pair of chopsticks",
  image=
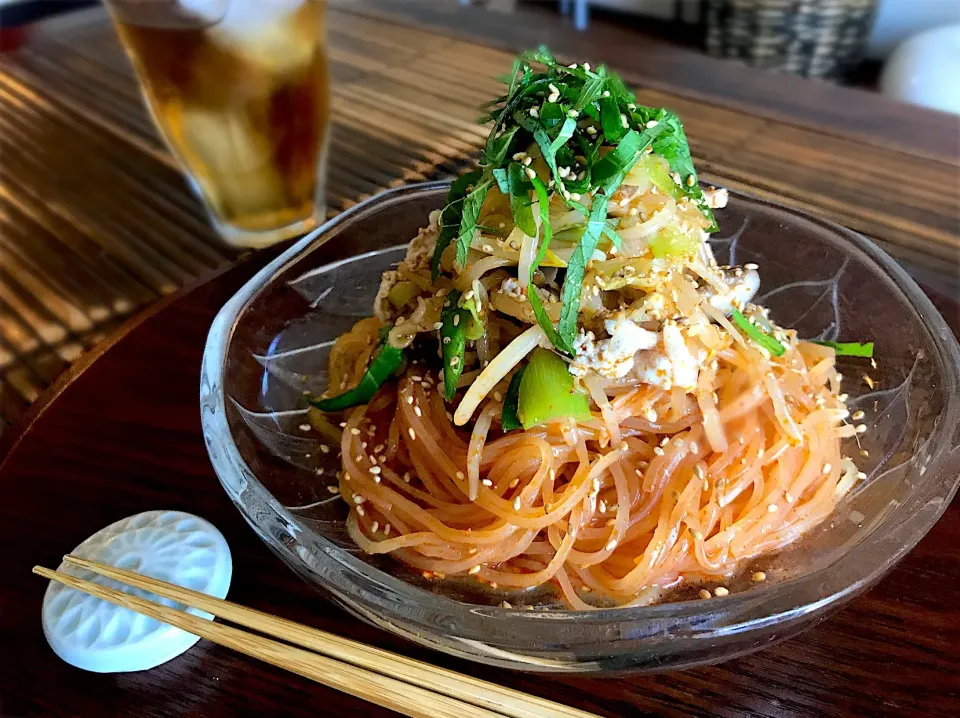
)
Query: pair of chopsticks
[{"x": 407, "y": 686}]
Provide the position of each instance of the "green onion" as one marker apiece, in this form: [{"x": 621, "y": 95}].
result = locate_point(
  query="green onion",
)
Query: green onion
[
  {"x": 453, "y": 342},
  {"x": 383, "y": 364},
  {"x": 761, "y": 338},
  {"x": 508, "y": 415},
  {"x": 849, "y": 349},
  {"x": 547, "y": 391}
]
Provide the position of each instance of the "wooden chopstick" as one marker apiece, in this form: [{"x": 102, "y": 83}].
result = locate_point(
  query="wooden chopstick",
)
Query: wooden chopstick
[{"x": 408, "y": 686}]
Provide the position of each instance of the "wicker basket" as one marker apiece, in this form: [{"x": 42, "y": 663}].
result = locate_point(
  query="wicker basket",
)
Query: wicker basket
[{"x": 813, "y": 38}]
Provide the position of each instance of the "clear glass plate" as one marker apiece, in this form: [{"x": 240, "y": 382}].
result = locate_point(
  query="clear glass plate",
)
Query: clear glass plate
[{"x": 268, "y": 347}]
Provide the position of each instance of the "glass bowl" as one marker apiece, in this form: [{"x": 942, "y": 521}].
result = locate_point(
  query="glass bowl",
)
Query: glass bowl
[{"x": 268, "y": 347}]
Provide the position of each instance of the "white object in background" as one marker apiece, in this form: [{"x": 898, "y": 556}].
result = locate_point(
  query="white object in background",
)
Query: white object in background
[
  {"x": 897, "y": 20},
  {"x": 99, "y": 636},
  {"x": 925, "y": 70}
]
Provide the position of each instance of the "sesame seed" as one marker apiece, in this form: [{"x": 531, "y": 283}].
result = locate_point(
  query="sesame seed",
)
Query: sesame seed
[
  {"x": 439, "y": 325},
  {"x": 534, "y": 112},
  {"x": 652, "y": 123},
  {"x": 527, "y": 161},
  {"x": 696, "y": 534},
  {"x": 870, "y": 382},
  {"x": 720, "y": 591},
  {"x": 360, "y": 511},
  {"x": 759, "y": 576},
  {"x": 412, "y": 433},
  {"x": 516, "y": 504},
  {"x": 519, "y": 156},
  {"x": 358, "y": 499},
  {"x": 611, "y": 544},
  {"x": 658, "y": 451},
  {"x": 375, "y": 526},
  {"x": 324, "y": 449},
  {"x": 333, "y": 489},
  {"x": 530, "y": 173},
  {"x": 513, "y": 484},
  {"x": 474, "y": 570},
  {"x": 698, "y": 471},
  {"x": 704, "y": 593},
  {"x": 375, "y": 470},
  {"x": 355, "y": 431},
  {"x": 460, "y": 475},
  {"x": 789, "y": 497},
  {"x": 772, "y": 508},
  {"x": 573, "y": 113},
  {"x": 857, "y": 415},
  {"x": 487, "y": 482},
  {"x": 506, "y": 604},
  {"x": 650, "y": 415},
  {"x": 827, "y": 468},
  {"x": 861, "y": 428}
]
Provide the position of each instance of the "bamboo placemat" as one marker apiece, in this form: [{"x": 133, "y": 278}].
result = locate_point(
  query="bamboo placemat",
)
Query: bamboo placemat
[{"x": 96, "y": 221}]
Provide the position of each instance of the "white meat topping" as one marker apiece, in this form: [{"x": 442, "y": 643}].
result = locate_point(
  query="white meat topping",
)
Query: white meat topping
[
  {"x": 417, "y": 260},
  {"x": 742, "y": 286},
  {"x": 613, "y": 357},
  {"x": 716, "y": 197}
]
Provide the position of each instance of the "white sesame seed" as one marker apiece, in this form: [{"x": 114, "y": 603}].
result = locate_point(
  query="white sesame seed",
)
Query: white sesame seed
[
  {"x": 333, "y": 489},
  {"x": 438, "y": 325},
  {"x": 530, "y": 173},
  {"x": 611, "y": 544},
  {"x": 519, "y": 156},
  {"x": 652, "y": 123},
  {"x": 487, "y": 482},
  {"x": 412, "y": 433},
  {"x": 355, "y": 431},
  {"x": 704, "y": 593},
  {"x": 827, "y": 468},
  {"x": 721, "y": 591},
  {"x": 516, "y": 504},
  {"x": 375, "y": 526},
  {"x": 305, "y": 427},
  {"x": 658, "y": 451},
  {"x": 861, "y": 428},
  {"x": 527, "y": 161},
  {"x": 460, "y": 475},
  {"x": 534, "y": 112},
  {"x": 324, "y": 449},
  {"x": 772, "y": 508},
  {"x": 474, "y": 570},
  {"x": 759, "y": 576},
  {"x": 417, "y": 411}
]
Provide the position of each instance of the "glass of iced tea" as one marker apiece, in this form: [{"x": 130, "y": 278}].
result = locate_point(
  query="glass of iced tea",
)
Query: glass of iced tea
[{"x": 239, "y": 89}]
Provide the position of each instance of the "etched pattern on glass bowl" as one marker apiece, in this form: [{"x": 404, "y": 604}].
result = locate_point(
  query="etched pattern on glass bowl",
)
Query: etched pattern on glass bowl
[{"x": 268, "y": 348}]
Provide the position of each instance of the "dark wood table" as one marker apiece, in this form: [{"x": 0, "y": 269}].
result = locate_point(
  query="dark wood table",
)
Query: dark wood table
[{"x": 119, "y": 432}]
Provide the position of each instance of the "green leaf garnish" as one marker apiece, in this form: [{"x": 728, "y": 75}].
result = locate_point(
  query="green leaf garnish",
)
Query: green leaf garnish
[
  {"x": 468, "y": 222},
  {"x": 384, "y": 362},
  {"x": 538, "y": 311},
  {"x": 849, "y": 349},
  {"x": 760, "y": 337},
  {"x": 573, "y": 282},
  {"x": 451, "y": 215}
]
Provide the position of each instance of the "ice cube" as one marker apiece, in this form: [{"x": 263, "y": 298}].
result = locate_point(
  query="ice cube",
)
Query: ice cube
[
  {"x": 236, "y": 162},
  {"x": 275, "y": 35}
]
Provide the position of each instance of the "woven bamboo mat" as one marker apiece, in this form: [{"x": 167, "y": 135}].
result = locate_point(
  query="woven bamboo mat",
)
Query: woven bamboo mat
[{"x": 95, "y": 220}]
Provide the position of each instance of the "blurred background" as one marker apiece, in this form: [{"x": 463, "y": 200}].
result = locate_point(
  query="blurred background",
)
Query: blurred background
[{"x": 97, "y": 221}]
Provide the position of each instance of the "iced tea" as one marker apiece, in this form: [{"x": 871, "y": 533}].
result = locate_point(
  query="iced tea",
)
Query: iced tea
[{"x": 239, "y": 89}]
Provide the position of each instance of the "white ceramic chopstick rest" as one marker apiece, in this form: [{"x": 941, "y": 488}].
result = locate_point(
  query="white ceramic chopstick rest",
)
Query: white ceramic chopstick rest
[{"x": 98, "y": 636}]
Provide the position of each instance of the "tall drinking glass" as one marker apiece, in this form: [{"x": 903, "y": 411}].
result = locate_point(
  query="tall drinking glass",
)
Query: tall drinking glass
[{"x": 239, "y": 90}]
